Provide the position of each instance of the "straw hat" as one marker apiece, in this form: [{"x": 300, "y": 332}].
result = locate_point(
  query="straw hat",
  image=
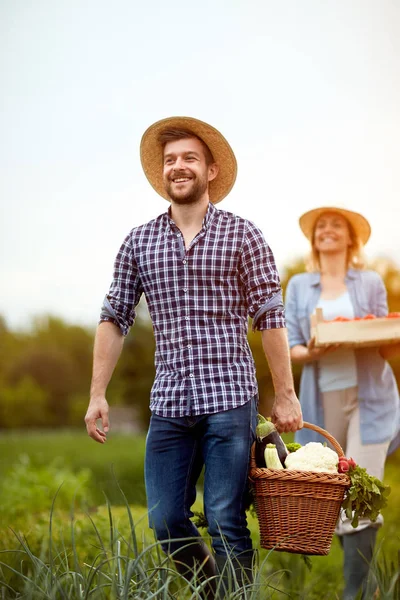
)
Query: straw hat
[
  {"x": 151, "y": 155},
  {"x": 360, "y": 225}
]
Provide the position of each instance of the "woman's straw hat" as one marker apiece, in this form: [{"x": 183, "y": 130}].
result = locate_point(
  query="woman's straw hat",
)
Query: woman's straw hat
[
  {"x": 360, "y": 225},
  {"x": 151, "y": 155}
]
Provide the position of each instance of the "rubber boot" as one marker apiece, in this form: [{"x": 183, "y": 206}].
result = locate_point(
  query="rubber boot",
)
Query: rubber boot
[
  {"x": 358, "y": 550},
  {"x": 243, "y": 573},
  {"x": 197, "y": 558}
]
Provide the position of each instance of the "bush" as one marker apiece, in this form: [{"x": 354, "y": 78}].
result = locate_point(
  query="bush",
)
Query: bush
[
  {"x": 121, "y": 459},
  {"x": 35, "y": 487},
  {"x": 23, "y": 404}
]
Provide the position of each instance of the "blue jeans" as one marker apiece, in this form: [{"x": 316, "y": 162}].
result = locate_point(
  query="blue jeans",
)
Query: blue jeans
[{"x": 176, "y": 450}]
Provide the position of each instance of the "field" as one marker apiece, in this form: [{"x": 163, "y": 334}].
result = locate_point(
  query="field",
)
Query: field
[{"x": 74, "y": 525}]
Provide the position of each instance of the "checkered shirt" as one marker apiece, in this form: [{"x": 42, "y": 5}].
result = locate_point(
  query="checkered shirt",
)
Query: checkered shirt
[{"x": 199, "y": 302}]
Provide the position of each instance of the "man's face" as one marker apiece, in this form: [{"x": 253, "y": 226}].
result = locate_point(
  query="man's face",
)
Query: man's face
[{"x": 185, "y": 171}]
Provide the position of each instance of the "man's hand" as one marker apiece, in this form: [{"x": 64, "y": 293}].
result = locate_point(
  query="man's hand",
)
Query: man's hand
[
  {"x": 316, "y": 353},
  {"x": 97, "y": 409},
  {"x": 286, "y": 413}
]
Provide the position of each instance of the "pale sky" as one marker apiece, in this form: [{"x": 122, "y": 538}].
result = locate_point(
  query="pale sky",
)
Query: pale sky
[{"x": 306, "y": 92}]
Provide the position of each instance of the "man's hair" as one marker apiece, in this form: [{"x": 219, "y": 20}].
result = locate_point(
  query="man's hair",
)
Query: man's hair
[{"x": 174, "y": 134}]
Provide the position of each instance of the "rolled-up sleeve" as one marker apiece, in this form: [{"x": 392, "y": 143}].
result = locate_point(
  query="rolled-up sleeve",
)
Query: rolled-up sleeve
[
  {"x": 292, "y": 319},
  {"x": 125, "y": 290},
  {"x": 261, "y": 281}
]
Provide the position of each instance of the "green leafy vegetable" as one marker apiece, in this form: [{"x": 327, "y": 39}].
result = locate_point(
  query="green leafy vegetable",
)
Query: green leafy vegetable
[
  {"x": 293, "y": 446},
  {"x": 366, "y": 496}
]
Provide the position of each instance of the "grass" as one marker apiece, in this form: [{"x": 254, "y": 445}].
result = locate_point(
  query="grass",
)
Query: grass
[
  {"x": 122, "y": 455},
  {"x": 90, "y": 550}
]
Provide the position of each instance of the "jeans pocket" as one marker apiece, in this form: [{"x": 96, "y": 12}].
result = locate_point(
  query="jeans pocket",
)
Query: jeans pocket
[{"x": 253, "y": 417}]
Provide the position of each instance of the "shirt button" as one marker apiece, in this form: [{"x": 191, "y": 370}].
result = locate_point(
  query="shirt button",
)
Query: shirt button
[
  {"x": 185, "y": 290},
  {"x": 178, "y": 235},
  {"x": 186, "y": 318},
  {"x": 189, "y": 346},
  {"x": 191, "y": 375},
  {"x": 184, "y": 262}
]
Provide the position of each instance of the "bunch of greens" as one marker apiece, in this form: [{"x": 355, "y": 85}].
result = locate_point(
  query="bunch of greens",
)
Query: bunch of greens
[{"x": 365, "y": 497}]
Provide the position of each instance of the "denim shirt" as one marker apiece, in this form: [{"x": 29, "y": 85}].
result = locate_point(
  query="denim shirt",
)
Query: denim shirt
[{"x": 377, "y": 389}]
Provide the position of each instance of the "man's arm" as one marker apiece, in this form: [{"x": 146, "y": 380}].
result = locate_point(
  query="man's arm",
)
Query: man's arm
[
  {"x": 286, "y": 411},
  {"x": 107, "y": 349}
]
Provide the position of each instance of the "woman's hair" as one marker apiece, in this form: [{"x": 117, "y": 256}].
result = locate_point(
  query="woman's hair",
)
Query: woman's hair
[{"x": 355, "y": 259}]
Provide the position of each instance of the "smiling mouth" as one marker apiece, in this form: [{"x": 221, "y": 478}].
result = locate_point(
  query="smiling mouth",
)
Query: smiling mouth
[{"x": 181, "y": 179}]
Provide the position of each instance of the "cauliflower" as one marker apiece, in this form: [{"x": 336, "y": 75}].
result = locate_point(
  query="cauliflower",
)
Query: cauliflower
[{"x": 314, "y": 456}]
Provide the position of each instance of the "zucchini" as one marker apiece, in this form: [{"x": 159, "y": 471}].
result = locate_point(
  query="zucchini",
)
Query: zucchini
[{"x": 271, "y": 457}]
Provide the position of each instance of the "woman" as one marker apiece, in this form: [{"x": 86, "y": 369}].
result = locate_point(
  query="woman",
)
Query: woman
[{"x": 350, "y": 393}]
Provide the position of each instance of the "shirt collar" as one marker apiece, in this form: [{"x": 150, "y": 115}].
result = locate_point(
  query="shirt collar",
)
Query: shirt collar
[
  {"x": 208, "y": 217},
  {"x": 316, "y": 277},
  {"x": 210, "y": 214}
]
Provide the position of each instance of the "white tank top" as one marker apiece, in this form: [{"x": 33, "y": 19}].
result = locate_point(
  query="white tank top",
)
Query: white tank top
[{"x": 337, "y": 370}]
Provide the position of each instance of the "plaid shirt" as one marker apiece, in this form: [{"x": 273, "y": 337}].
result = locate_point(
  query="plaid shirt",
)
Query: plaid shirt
[{"x": 199, "y": 301}]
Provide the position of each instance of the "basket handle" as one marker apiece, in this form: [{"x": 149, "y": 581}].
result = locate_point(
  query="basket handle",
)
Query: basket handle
[{"x": 328, "y": 436}]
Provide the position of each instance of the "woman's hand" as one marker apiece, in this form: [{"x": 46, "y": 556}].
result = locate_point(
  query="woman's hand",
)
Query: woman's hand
[
  {"x": 390, "y": 351},
  {"x": 315, "y": 353}
]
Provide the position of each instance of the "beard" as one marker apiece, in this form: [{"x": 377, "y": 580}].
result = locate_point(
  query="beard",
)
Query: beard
[{"x": 197, "y": 187}]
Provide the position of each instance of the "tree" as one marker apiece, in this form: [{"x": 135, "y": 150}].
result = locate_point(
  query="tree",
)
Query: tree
[{"x": 45, "y": 372}]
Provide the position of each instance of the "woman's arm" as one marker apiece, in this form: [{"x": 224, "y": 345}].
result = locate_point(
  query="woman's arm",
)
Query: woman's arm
[{"x": 301, "y": 354}]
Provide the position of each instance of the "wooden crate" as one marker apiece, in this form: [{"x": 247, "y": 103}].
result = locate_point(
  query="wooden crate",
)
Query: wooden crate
[{"x": 361, "y": 333}]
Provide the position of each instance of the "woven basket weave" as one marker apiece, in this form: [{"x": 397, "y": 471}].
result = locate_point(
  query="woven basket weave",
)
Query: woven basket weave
[{"x": 297, "y": 510}]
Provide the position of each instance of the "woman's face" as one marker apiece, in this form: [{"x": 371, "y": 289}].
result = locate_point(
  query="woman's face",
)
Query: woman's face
[{"x": 332, "y": 234}]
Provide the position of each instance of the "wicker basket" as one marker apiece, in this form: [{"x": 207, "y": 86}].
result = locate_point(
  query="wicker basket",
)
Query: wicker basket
[{"x": 297, "y": 510}]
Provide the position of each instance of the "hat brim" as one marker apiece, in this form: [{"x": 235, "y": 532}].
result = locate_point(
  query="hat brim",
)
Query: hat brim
[
  {"x": 360, "y": 225},
  {"x": 151, "y": 155}
]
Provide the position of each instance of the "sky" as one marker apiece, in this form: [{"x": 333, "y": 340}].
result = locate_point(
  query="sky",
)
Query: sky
[{"x": 307, "y": 93}]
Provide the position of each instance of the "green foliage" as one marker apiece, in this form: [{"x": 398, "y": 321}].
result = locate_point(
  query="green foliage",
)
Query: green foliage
[
  {"x": 293, "y": 446},
  {"x": 111, "y": 553},
  {"x": 366, "y": 497},
  {"x": 121, "y": 459},
  {"x": 46, "y": 372},
  {"x": 91, "y": 550},
  {"x": 23, "y": 405},
  {"x": 25, "y": 485}
]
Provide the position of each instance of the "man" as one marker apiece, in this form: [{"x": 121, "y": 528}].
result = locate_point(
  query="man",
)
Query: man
[{"x": 203, "y": 272}]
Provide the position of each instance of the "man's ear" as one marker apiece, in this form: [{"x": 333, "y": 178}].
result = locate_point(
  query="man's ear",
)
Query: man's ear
[{"x": 213, "y": 171}]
